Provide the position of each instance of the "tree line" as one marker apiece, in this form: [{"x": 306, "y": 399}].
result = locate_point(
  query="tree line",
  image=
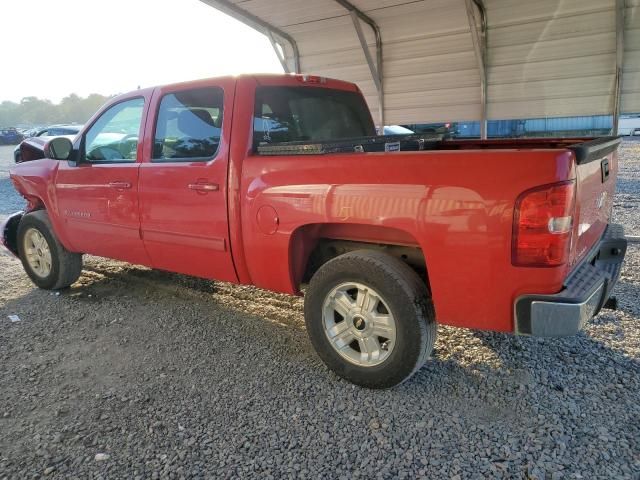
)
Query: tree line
[{"x": 35, "y": 111}]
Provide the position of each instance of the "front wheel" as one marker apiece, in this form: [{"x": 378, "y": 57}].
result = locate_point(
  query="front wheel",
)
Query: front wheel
[
  {"x": 49, "y": 265},
  {"x": 370, "y": 318}
]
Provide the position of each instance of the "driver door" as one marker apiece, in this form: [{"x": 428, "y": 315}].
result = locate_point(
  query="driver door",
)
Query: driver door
[{"x": 98, "y": 194}]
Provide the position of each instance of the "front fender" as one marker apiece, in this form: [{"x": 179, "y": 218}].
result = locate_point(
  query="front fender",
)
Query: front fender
[{"x": 9, "y": 232}]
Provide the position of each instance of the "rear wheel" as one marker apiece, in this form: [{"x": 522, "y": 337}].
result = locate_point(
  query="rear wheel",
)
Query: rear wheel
[
  {"x": 370, "y": 318},
  {"x": 49, "y": 265}
]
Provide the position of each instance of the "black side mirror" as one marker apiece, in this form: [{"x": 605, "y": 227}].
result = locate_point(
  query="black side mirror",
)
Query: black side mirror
[{"x": 58, "y": 148}]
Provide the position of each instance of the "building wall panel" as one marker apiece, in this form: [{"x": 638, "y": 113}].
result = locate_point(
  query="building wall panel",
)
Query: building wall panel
[{"x": 546, "y": 58}]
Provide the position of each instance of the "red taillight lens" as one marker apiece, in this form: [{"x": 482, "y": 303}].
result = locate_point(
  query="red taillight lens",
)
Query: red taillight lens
[
  {"x": 542, "y": 226},
  {"x": 313, "y": 79}
]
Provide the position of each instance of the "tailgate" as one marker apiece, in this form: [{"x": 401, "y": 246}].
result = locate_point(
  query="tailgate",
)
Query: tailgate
[{"x": 597, "y": 169}]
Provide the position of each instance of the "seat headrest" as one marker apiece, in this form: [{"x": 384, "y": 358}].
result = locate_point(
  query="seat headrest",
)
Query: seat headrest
[{"x": 194, "y": 120}]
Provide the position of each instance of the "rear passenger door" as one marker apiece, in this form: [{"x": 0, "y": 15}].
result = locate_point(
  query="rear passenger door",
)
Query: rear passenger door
[{"x": 183, "y": 180}]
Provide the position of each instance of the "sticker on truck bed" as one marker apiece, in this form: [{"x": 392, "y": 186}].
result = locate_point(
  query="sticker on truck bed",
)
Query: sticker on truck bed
[{"x": 392, "y": 147}]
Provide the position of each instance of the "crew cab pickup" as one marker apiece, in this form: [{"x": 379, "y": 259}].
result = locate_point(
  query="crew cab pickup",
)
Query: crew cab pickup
[{"x": 280, "y": 181}]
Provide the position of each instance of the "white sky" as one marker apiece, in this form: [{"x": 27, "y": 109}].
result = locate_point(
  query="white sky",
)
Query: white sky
[{"x": 54, "y": 48}]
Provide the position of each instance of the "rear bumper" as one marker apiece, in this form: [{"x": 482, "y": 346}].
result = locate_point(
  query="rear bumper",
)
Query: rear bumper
[{"x": 585, "y": 291}]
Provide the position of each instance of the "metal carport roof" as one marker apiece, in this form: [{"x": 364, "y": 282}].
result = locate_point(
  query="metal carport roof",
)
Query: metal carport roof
[{"x": 447, "y": 60}]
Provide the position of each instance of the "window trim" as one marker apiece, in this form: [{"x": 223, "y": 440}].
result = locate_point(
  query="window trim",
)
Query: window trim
[
  {"x": 83, "y": 141},
  {"x": 186, "y": 159}
]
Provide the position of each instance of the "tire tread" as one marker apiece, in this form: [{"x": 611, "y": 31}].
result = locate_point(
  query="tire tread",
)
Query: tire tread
[
  {"x": 69, "y": 264},
  {"x": 402, "y": 275}
]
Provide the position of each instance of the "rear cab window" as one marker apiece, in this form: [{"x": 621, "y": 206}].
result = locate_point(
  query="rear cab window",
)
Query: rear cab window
[
  {"x": 291, "y": 114},
  {"x": 189, "y": 125}
]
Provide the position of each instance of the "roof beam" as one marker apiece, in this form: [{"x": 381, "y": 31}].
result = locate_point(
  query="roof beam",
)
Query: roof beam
[
  {"x": 279, "y": 53},
  {"x": 258, "y": 24},
  {"x": 619, "y": 63},
  {"x": 376, "y": 69},
  {"x": 479, "y": 39}
]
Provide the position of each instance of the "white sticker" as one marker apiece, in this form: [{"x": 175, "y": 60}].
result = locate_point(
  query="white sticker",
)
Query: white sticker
[{"x": 392, "y": 147}]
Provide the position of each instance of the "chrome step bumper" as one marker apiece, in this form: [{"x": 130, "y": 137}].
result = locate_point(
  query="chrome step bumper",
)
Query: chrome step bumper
[{"x": 585, "y": 291}]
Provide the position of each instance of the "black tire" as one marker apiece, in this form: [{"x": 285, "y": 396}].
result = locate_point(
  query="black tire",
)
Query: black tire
[
  {"x": 66, "y": 266},
  {"x": 408, "y": 300}
]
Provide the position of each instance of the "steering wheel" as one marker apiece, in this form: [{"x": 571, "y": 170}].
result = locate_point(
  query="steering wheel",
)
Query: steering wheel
[
  {"x": 127, "y": 147},
  {"x": 104, "y": 153}
]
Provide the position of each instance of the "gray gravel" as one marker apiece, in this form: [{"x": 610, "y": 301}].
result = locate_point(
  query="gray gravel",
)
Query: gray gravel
[
  {"x": 627, "y": 201},
  {"x": 140, "y": 374}
]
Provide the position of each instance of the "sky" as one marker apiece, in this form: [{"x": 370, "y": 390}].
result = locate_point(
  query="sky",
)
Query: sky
[{"x": 54, "y": 48}]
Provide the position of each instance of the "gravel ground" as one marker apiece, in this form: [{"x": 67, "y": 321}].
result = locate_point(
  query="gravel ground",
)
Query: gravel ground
[{"x": 140, "y": 374}]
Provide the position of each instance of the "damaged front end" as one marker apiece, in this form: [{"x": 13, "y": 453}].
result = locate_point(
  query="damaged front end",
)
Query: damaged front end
[{"x": 9, "y": 232}]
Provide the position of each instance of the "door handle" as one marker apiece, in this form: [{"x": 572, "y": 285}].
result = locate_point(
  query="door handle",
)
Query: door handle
[
  {"x": 204, "y": 187},
  {"x": 120, "y": 185}
]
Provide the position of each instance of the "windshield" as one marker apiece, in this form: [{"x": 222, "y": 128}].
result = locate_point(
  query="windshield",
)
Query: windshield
[{"x": 290, "y": 114}]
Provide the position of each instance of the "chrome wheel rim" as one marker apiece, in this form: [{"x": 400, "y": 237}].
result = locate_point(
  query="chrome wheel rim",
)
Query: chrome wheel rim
[
  {"x": 359, "y": 324},
  {"x": 37, "y": 252}
]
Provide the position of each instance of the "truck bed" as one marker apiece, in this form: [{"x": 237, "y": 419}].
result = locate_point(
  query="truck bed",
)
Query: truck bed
[{"x": 585, "y": 149}]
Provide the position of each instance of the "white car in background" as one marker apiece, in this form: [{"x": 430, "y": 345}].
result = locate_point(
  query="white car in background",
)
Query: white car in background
[
  {"x": 396, "y": 130},
  {"x": 629, "y": 125}
]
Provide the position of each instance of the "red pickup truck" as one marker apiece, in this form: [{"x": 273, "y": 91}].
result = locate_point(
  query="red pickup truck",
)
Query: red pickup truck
[{"x": 279, "y": 181}]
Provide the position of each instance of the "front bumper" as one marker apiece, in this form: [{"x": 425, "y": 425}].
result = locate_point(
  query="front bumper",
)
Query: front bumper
[
  {"x": 9, "y": 232},
  {"x": 585, "y": 291}
]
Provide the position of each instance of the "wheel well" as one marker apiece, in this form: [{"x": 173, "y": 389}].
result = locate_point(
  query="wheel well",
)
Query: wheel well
[
  {"x": 328, "y": 248},
  {"x": 313, "y": 245}
]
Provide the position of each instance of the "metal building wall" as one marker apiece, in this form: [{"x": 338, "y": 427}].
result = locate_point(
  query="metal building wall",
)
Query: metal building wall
[
  {"x": 546, "y": 58},
  {"x": 429, "y": 65},
  {"x": 631, "y": 78},
  {"x": 550, "y": 58}
]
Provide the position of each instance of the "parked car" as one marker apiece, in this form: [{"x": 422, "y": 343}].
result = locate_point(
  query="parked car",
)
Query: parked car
[
  {"x": 10, "y": 136},
  {"x": 629, "y": 125},
  {"x": 447, "y": 129},
  {"x": 50, "y": 131},
  {"x": 238, "y": 179},
  {"x": 32, "y": 132},
  {"x": 396, "y": 130}
]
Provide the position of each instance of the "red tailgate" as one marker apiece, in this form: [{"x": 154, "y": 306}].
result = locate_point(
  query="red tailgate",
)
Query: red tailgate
[{"x": 597, "y": 169}]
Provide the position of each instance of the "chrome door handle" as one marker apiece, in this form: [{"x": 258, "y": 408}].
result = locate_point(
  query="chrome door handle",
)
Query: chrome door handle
[
  {"x": 204, "y": 187},
  {"x": 120, "y": 185}
]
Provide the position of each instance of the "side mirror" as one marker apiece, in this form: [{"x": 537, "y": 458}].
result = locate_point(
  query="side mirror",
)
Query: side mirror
[{"x": 58, "y": 148}]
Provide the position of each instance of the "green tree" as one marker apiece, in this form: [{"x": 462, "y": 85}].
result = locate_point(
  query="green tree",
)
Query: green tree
[{"x": 36, "y": 111}]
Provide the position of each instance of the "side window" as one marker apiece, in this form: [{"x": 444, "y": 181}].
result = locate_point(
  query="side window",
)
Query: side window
[
  {"x": 114, "y": 136},
  {"x": 189, "y": 125}
]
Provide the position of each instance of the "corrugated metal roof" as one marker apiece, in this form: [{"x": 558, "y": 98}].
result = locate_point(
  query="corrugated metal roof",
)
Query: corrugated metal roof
[{"x": 545, "y": 58}]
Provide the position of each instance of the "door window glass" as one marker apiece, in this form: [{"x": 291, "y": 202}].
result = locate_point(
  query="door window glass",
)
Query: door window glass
[
  {"x": 189, "y": 125},
  {"x": 114, "y": 136}
]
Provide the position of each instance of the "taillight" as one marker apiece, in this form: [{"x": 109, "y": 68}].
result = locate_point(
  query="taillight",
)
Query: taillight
[
  {"x": 542, "y": 226},
  {"x": 313, "y": 79}
]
